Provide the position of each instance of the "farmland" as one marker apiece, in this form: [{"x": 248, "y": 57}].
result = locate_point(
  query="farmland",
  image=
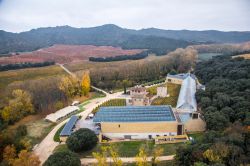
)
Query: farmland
[
  {"x": 12, "y": 76},
  {"x": 67, "y": 54}
]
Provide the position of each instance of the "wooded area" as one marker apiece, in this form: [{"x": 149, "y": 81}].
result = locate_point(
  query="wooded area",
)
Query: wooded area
[{"x": 226, "y": 108}]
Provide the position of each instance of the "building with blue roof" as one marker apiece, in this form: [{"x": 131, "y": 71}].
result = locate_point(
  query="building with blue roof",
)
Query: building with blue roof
[
  {"x": 137, "y": 122},
  {"x": 68, "y": 128}
]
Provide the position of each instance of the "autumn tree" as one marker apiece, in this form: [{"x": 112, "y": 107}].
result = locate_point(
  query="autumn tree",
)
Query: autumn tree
[
  {"x": 156, "y": 154},
  {"x": 26, "y": 158},
  {"x": 101, "y": 157},
  {"x": 9, "y": 154},
  {"x": 20, "y": 105},
  {"x": 115, "y": 156},
  {"x": 70, "y": 86},
  {"x": 141, "y": 157},
  {"x": 85, "y": 83}
]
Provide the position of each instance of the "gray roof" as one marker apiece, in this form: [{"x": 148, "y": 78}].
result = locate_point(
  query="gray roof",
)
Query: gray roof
[
  {"x": 181, "y": 76},
  {"x": 67, "y": 130},
  {"x": 135, "y": 114},
  {"x": 186, "y": 99}
]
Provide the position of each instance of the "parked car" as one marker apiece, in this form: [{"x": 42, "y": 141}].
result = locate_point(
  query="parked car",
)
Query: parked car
[{"x": 75, "y": 103}]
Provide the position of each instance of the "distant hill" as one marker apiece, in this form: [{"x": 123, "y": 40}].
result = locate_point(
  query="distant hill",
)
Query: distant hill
[{"x": 157, "y": 40}]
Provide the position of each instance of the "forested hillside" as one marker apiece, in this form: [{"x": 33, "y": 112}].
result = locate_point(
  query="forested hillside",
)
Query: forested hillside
[
  {"x": 226, "y": 108},
  {"x": 157, "y": 40}
]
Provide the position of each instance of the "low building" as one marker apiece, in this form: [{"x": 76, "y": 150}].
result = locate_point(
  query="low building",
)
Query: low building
[
  {"x": 178, "y": 78},
  {"x": 192, "y": 122},
  {"x": 138, "y": 97},
  {"x": 62, "y": 114},
  {"x": 68, "y": 128},
  {"x": 137, "y": 122},
  {"x": 162, "y": 91},
  {"x": 186, "y": 100}
]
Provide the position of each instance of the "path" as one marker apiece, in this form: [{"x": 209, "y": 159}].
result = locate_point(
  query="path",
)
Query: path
[
  {"x": 69, "y": 72},
  {"x": 87, "y": 161}
]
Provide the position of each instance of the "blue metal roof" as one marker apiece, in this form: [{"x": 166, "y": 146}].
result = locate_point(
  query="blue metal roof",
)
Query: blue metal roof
[
  {"x": 67, "y": 130},
  {"x": 184, "y": 117},
  {"x": 134, "y": 114}
]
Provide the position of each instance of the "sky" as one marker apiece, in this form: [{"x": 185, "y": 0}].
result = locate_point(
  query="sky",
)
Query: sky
[{"x": 225, "y": 15}]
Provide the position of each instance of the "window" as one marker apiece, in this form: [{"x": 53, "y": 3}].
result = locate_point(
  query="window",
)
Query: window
[
  {"x": 119, "y": 126},
  {"x": 169, "y": 80},
  {"x": 195, "y": 116}
]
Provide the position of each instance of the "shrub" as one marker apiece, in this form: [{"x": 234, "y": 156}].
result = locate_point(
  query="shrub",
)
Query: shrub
[
  {"x": 63, "y": 159},
  {"x": 82, "y": 140}
]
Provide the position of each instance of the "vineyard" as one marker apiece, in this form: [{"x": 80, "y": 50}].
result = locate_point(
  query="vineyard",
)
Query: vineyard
[
  {"x": 173, "y": 91},
  {"x": 113, "y": 102}
]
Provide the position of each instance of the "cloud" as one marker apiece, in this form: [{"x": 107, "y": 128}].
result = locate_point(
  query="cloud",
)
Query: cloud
[{"x": 21, "y": 15}]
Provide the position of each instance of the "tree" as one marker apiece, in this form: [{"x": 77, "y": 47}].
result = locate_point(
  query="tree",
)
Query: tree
[
  {"x": 65, "y": 158},
  {"x": 19, "y": 106},
  {"x": 217, "y": 153},
  {"x": 82, "y": 140},
  {"x": 141, "y": 157},
  {"x": 26, "y": 158},
  {"x": 115, "y": 156},
  {"x": 9, "y": 154},
  {"x": 125, "y": 84},
  {"x": 156, "y": 154},
  {"x": 85, "y": 83},
  {"x": 216, "y": 120},
  {"x": 101, "y": 157},
  {"x": 70, "y": 86}
]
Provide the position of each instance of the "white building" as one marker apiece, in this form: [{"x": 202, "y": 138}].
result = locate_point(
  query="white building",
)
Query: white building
[
  {"x": 62, "y": 113},
  {"x": 186, "y": 100}
]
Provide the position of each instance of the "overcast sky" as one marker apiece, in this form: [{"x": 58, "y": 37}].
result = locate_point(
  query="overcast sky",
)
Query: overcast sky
[{"x": 226, "y": 15}]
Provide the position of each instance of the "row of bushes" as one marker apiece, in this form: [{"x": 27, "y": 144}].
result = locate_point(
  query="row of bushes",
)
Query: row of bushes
[
  {"x": 141, "y": 55},
  {"x": 25, "y": 65}
]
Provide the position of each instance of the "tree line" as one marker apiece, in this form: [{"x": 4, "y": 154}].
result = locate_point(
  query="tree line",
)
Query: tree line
[
  {"x": 141, "y": 55},
  {"x": 25, "y": 65},
  {"x": 118, "y": 75}
]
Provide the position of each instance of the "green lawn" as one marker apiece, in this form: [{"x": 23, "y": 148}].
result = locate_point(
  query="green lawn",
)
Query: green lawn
[
  {"x": 112, "y": 102},
  {"x": 127, "y": 149},
  {"x": 198, "y": 136},
  {"x": 172, "y": 89},
  {"x": 57, "y": 135}
]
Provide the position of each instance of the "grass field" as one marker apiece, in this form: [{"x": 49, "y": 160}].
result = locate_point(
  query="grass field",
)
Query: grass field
[
  {"x": 173, "y": 91},
  {"x": 37, "y": 128},
  {"x": 127, "y": 149},
  {"x": 207, "y": 56},
  {"x": 113, "y": 102}
]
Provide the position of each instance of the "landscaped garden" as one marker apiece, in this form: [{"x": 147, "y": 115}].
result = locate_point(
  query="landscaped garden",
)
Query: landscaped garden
[
  {"x": 112, "y": 102},
  {"x": 173, "y": 92}
]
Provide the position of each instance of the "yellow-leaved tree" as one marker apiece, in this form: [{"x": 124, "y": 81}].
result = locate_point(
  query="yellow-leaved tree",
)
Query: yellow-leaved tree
[
  {"x": 85, "y": 83},
  {"x": 70, "y": 86},
  {"x": 20, "y": 105},
  {"x": 156, "y": 154},
  {"x": 141, "y": 157},
  {"x": 101, "y": 157},
  {"x": 26, "y": 158}
]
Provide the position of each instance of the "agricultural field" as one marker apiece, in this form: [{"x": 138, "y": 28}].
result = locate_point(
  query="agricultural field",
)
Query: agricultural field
[
  {"x": 67, "y": 54},
  {"x": 112, "y": 102},
  {"x": 127, "y": 148},
  {"x": 173, "y": 91},
  {"x": 8, "y": 77}
]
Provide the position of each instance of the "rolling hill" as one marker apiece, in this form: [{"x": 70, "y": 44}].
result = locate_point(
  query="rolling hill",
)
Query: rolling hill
[{"x": 157, "y": 40}]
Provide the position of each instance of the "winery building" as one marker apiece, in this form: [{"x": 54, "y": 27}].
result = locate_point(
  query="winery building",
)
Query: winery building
[{"x": 137, "y": 122}]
